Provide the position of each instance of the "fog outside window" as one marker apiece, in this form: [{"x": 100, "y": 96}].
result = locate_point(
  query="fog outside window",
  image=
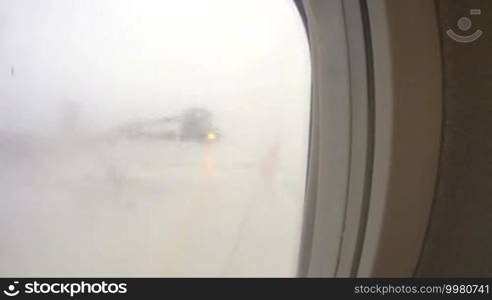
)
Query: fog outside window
[{"x": 152, "y": 138}]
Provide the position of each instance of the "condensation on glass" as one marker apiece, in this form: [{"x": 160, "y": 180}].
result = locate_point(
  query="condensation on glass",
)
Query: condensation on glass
[{"x": 152, "y": 138}]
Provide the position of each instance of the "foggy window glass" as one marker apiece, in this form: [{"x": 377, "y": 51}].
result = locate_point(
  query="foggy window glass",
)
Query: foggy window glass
[{"x": 152, "y": 138}]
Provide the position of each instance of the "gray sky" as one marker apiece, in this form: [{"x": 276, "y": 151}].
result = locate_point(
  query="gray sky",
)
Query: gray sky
[{"x": 124, "y": 60}]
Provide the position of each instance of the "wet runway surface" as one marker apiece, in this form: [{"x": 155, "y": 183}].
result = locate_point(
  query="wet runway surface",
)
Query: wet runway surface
[{"x": 150, "y": 208}]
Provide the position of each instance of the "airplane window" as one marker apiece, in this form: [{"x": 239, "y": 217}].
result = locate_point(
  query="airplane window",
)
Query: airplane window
[{"x": 152, "y": 138}]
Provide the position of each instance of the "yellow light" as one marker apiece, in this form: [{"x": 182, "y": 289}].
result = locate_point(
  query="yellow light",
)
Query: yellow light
[{"x": 211, "y": 136}]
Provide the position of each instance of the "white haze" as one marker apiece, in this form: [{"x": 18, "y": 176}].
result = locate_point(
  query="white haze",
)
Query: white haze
[{"x": 78, "y": 198}]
